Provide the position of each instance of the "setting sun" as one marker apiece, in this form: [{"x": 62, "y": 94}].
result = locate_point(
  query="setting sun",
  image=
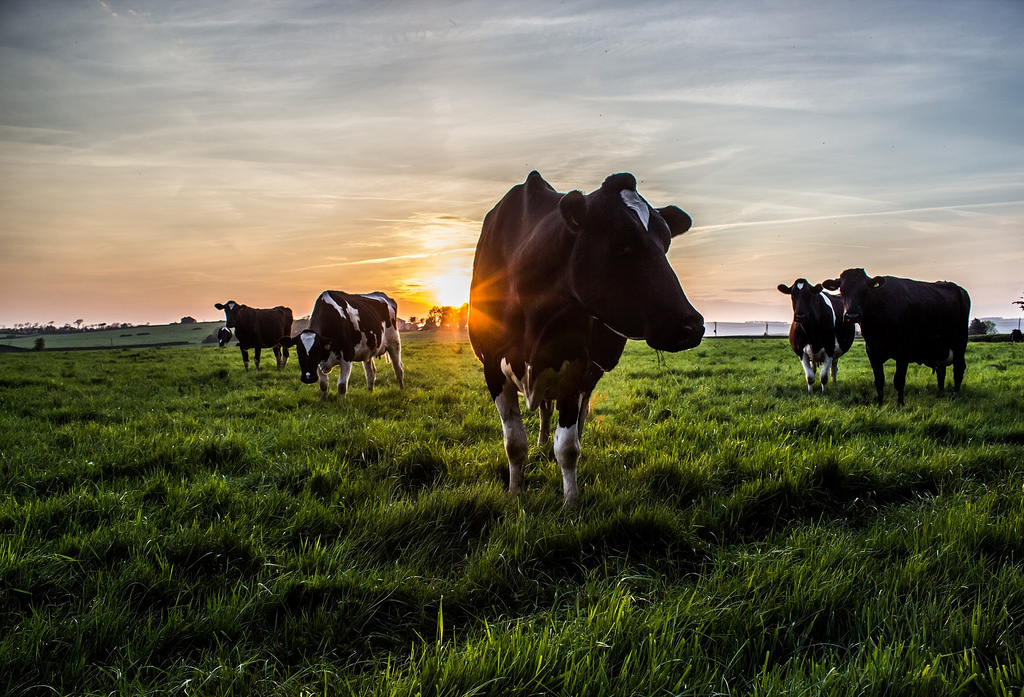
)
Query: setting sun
[{"x": 451, "y": 288}]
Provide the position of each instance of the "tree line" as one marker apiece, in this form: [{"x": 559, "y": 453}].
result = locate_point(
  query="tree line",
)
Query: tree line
[{"x": 444, "y": 317}]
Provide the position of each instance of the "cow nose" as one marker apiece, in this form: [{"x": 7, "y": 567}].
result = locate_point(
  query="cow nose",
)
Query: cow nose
[
  {"x": 800, "y": 316},
  {"x": 853, "y": 317},
  {"x": 308, "y": 378},
  {"x": 679, "y": 338}
]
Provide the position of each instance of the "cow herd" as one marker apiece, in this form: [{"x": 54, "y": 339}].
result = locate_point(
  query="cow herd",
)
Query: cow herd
[{"x": 561, "y": 281}]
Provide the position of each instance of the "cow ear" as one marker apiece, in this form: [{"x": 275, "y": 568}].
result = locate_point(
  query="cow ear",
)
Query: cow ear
[
  {"x": 817, "y": 288},
  {"x": 784, "y": 289},
  {"x": 877, "y": 281},
  {"x": 573, "y": 207},
  {"x": 677, "y": 219},
  {"x": 218, "y": 306},
  {"x": 831, "y": 284}
]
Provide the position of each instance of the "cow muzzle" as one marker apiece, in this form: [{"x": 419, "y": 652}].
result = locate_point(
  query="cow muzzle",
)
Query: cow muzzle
[
  {"x": 676, "y": 338},
  {"x": 309, "y": 378}
]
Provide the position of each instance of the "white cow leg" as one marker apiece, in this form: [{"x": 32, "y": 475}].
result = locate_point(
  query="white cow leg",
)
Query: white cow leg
[
  {"x": 545, "y": 421},
  {"x": 805, "y": 361},
  {"x": 516, "y": 445},
  {"x": 567, "y": 448},
  {"x": 345, "y": 368},
  {"x": 395, "y": 354},
  {"x": 826, "y": 368},
  {"x": 370, "y": 368}
]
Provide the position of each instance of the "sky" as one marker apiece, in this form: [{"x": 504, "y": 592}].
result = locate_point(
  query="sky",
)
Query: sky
[{"x": 159, "y": 156}]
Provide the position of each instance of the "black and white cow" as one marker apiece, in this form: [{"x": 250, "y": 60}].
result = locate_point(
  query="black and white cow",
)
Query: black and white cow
[
  {"x": 256, "y": 328},
  {"x": 346, "y": 328},
  {"x": 818, "y": 334},
  {"x": 560, "y": 281},
  {"x": 223, "y": 336},
  {"x": 908, "y": 321}
]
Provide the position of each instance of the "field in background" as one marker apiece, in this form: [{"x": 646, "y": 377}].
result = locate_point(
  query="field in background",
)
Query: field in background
[{"x": 171, "y": 524}]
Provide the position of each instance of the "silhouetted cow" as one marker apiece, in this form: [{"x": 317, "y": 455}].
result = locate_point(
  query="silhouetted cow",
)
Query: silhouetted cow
[
  {"x": 818, "y": 335},
  {"x": 257, "y": 329},
  {"x": 908, "y": 321},
  {"x": 345, "y": 328},
  {"x": 560, "y": 281},
  {"x": 1016, "y": 337}
]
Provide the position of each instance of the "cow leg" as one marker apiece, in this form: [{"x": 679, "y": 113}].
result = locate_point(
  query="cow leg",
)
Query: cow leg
[
  {"x": 835, "y": 369},
  {"x": 545, "y": 421},
  {"x": 826, "y": 367},
  {"x": 514, "y": 434},
  {"x": 567, "y": 448},
  {"x": 345, "y": 369},
  {"x": 370, "y": 368},
  {"x": 899, "y": 380},
  {"x": 277, "y": 357},
  {"x": 395, "y": 354},
  {"x": 959, "y": 367},
  {"x": 256, "y": 356},
  {"x": 940, "y": 377},
  {"x": 805, "y": 361},
  {"x": 323, "y": 383},
  {"x": 878, "y": 368},
  {"x": 245, "y": 358}
]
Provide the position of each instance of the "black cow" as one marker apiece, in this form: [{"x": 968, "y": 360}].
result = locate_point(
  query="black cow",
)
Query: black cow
[
  {"x": 908, "y": 321},
  {"x": 1016, "y": 337},
  {"x": 818, "y": 334},
  {"x": 256, "y": 328},
  {"x": 560, "y": 281},
  {"x": 345, "y": 328}
]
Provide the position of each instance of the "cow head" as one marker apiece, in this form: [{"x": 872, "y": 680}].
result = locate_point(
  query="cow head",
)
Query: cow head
[
  {"x": 231, "y": 311},
  {"x": 223, "y": 336},
  {"x": 802, "y": 294},
  {"x": 311, "y": 349},
  {"x": 857, "y": 291},
  {"x": 619, "y": 270}
]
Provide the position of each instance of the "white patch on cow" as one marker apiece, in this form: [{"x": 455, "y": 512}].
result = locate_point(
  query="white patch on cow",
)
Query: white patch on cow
[
  {"x": 567, "y": 453},
  {"x": 799, "y": 286},
  {"x": 831, "y": 309},
  {"x": 342, "y": 311},
  {"x": 308, "y": 339},
  {"x": 635, "y": 201},
  {"x": 232, "y": 306}
]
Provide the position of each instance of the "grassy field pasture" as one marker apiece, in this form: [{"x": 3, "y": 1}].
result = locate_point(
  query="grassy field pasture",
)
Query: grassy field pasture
[
  {"x": 170, "y": 524},
  {"x": 130, "y": 337}
]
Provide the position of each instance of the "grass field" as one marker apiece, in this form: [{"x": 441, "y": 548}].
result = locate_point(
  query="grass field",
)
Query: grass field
[{"x": 172, "y": 525}]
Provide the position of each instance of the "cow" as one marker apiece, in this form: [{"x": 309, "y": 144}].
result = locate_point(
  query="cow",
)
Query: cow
[
  {"x": 560, "y": 282},
  {"x": 223, "y": 336},
  {"x": 256, "y": 328},
  {"x": 818, "y": 334},
  {"x": 908, "y": 321},
  {"x": 1016, "y": 337},
  {"x": 345, "y": 328}
]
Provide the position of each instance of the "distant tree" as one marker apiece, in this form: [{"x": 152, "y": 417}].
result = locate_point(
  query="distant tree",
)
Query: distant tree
[
  {"x": 442, "y": 317},
  {"x": 464, "y": 316},
  {"x": 1019, "y": 303},
  {"x": 78, "y": 324},
  {"x": 978, "y": 327},
  {"x": 39, "y": 345},
  {"x": 188, "y": 320}
]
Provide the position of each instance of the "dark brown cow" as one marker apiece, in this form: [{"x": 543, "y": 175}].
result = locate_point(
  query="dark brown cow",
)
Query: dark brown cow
[
  {"x": 257, "y": 328},
  {"x": 818, "y": 334},
  {"x": 908, "y": 321},
  {"x": 560, "y": 281}
]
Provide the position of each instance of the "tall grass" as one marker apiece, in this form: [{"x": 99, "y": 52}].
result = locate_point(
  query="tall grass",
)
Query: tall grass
[{"x": 170, "y": 524}]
